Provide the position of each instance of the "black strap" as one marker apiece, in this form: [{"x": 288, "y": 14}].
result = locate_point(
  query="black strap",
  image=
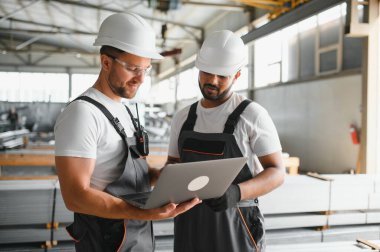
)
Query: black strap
[
  {"x": 233, "y": 118},
  {"x": 114, "y": 120},
  {"x": 52, "y": 223},
  {"x": 191, "y": 118},
  {"x": 134, "y": 120}
]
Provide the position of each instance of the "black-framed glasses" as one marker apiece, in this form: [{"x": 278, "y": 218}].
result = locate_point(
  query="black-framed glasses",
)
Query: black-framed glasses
[{"x": 135, "y": 70}]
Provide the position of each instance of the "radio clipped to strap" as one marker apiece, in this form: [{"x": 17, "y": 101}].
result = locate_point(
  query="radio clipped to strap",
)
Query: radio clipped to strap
[{"x": 142, "y": 139}]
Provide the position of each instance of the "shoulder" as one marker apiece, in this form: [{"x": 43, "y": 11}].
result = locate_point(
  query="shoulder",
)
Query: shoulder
[
  {"x": 180, "y": 116},
  {"x": 252, "y": 110},
  {"x": 79, "y": 112}
]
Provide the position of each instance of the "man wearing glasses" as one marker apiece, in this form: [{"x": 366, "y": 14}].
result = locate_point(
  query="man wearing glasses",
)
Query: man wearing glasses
[
  {"x": 95, "y": 136},
  {"x": 224, "y": 124}
]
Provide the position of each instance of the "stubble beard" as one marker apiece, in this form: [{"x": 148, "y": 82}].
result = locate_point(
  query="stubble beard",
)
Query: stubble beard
[{"x": 218, "y": 97}]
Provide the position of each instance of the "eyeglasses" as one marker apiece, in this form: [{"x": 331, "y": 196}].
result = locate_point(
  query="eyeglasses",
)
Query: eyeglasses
[{"x": 135, "y": 70}]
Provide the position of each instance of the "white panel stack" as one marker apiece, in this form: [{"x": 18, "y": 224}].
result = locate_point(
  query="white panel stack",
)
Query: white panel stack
[
  {"x": 373, "y": 215},
  {"x": 293, "y": 236},
  {"x": 349, "y": 246},
  {"x": 350, "y": 192},
  {"x": 298, "y": 194},
  {"x": 368, "y": 232},
  {"x": 295, "y": 220},
  {"x": 347, "y": 218}
]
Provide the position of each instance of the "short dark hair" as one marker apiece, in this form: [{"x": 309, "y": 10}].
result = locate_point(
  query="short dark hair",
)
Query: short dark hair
[{"x": 110, "y": 50}]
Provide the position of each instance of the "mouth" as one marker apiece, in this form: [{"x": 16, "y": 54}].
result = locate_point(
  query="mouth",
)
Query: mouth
[
  {"x": 210, "y": 88},
  {"x": 133, "y": 85}
]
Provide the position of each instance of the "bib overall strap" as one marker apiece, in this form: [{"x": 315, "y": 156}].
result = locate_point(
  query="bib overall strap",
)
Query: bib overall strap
[
  {"x": 114, "y": 120},
  {"x": 191, "y": 118},
  {"x": 233, "y": 118},
  {"x": 134, "y": 120}
]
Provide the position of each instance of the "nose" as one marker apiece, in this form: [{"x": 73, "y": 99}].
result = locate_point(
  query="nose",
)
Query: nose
[
  {"x": 140, "y": 77},
  {"x": 213, "y": 78}
]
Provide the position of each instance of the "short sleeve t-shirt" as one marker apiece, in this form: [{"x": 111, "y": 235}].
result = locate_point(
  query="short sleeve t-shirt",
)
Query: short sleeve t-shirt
[
  {"x": 82, "y": 130},
  {"x": 255, "y": 132}
]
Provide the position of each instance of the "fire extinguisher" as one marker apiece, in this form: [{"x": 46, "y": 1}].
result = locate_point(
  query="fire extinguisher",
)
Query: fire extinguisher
[{"x": 354, "y": 132}]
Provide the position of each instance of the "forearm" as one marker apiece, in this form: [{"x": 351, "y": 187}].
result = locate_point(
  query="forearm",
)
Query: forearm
[
  {"x": 94, "y": 202},
  {"x": 98, "y": 203},
  {"x": 263, "y": 183}
]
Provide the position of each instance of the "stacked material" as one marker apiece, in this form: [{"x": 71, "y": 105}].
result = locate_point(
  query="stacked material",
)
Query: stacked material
[
  {"x": 304, "y": 201},
  {"x": 346, "y": 233},
  {"x": 297, "y": 203},
  {"x": 298, "y": 194},
  {"x": 24, "y": 202},
  {"x": 350, "y": 192},
  {"x": 293, "y": 236},
  {"x": 28, "y": 207},
  {"x": 293, "y": 212},
  {"x": 348, "y": 246},
  {"x": 12, "y": 139}
]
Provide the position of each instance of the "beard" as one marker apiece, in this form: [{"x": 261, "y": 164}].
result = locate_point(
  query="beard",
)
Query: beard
[
  {"x": 218, "y": 96},
  {"x": 121, "y": 90}
]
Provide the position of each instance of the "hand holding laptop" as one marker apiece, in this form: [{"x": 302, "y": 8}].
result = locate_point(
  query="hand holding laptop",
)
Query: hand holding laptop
[{"x": 171, "y": 210}]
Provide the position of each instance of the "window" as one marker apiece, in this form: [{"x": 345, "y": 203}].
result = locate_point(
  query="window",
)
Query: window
[
  {"x": 34, "y": 87},
  {"x": 267, "y": 59},
  {"x": 188, "y": 84},
  {"x": 80, "y": 83},
  {"x": 308, "y": 48},
  {"x": 242, "y": 82},
  {"x": 162, "y": 92},
  {"x": 329, "y": 42}
]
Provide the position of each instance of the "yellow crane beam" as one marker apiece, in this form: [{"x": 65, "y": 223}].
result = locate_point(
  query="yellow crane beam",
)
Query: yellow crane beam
[{"x": 275, "y": 7}]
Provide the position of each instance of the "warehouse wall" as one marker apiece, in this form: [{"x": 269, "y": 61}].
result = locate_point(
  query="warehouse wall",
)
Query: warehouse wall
[{"x": 313, "y": 120}]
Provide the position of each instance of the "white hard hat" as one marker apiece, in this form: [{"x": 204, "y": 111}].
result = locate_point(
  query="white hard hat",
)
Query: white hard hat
[
  {"x": 130, "y": 33},
  {"x": 222, "y": 53}
]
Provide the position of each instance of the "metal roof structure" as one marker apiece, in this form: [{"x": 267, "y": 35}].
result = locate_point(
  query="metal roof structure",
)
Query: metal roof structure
[{"x": 57, "y": 35}]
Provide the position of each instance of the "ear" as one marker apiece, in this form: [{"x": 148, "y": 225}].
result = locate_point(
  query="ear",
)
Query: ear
[
  {"x": 105, "y": 61},
  {"x": 237, "y": 75}
]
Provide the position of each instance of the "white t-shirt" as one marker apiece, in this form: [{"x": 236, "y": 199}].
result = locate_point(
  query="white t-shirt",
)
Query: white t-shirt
[
  {"x": 255, "y": 132},
  {"x": 82, "y": 130}
]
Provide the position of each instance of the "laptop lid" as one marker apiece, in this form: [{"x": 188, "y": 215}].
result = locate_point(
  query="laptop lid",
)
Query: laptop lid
[{"x": 183, "y": 181}]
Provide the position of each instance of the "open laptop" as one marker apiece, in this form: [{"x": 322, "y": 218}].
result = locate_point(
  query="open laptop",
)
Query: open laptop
[{"x": 183, "y": 181}]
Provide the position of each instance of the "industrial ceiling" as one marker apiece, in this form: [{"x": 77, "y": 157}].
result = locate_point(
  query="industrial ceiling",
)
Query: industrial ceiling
[{"x": 57, "y": 35}]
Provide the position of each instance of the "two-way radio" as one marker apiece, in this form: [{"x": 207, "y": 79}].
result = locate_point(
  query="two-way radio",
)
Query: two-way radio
[{"x": 142, "y": 139}]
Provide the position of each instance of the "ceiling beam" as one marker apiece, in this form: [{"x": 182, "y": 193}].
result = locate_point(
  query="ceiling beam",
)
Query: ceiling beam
[
  {"x": 99, "y": 7},
  {"x": 16, "y": 11},
  {"x": 296, "y": 15},
  {"x": 60, "y": 29},
  {"x": 230, "y": 7}
]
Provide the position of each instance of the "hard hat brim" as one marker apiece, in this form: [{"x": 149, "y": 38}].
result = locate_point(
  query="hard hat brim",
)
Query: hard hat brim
[{"x": 101, "y": 41}]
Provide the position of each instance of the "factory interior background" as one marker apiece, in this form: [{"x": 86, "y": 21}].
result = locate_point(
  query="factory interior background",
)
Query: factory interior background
[{"x": 313, "y": 64}]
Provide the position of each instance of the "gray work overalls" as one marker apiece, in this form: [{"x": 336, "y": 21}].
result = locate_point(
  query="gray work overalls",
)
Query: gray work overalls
[
  {"x": 200, "y": 229},
  {"x": 95, "y": 234}
]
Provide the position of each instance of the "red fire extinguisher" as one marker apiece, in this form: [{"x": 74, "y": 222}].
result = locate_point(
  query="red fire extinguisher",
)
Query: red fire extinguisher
[{"x": 354, "y": 132}]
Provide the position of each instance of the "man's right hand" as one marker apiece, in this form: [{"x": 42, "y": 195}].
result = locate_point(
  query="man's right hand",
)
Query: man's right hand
[{"x": 171, "y": 210}]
